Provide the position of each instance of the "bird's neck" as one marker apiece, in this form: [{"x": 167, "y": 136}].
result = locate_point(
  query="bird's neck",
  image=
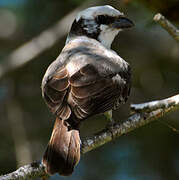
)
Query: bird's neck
[
  {"x": 107, "y": 36},
  {"x": 106, "y": 43}
]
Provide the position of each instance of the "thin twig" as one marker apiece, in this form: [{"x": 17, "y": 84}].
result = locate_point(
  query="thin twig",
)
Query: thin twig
[
  {"x": 167, "y": 25},
  {"x": 133, "y": 122},
  {"x": 153, "y": 105},
  {"x": 168, "y": 126}
]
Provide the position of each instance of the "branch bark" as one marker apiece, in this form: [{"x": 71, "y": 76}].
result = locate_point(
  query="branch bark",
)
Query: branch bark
[
  {"x": 170, "y": 102},
  {"x": 167, "y": 25},
  {"x": 35, "y": 169},
  {"x": 145, "y": 113}
]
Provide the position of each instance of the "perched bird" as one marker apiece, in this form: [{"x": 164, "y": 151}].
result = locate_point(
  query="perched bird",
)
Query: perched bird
[{"x": 87, "y": 78}]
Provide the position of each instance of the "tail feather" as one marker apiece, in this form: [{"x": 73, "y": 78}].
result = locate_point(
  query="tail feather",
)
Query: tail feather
[{"x": 63, "y": 150}]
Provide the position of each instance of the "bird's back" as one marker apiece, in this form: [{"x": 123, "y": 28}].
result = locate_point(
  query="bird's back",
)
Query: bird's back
[{"x": 85, "y": 79}]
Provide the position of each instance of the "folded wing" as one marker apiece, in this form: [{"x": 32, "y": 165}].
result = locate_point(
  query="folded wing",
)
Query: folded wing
[{"x": 86, "y": 92}]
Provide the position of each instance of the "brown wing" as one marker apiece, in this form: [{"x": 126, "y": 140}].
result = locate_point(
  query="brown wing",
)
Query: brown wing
[
  {"x": 85, "y": 93},
  {"x": 92, "y": 94},
  {"x": 55, "y": 92}
]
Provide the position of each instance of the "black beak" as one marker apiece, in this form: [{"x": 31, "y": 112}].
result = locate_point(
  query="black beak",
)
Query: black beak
[{"x": 122, "y": 23}]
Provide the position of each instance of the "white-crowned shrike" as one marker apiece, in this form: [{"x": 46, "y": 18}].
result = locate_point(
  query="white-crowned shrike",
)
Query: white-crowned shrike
[{"x": 87, "y": 78}]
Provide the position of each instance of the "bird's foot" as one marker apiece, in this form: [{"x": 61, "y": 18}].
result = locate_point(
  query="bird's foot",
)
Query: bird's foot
[{"x": 110, "y": 127}]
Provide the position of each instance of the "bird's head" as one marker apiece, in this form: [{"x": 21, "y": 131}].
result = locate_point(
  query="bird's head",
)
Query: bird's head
[{"x": 102, "y": 23}]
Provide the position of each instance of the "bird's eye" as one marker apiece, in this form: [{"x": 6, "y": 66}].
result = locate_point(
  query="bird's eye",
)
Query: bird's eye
[
  {"x": 101, "y": 19},
  {"x": 104, "y": 19}
]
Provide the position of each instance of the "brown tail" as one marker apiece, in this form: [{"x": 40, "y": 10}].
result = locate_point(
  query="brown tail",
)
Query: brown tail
[{"x": 63, "y": 150}]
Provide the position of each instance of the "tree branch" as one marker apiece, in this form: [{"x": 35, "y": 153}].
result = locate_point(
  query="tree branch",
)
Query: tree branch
[
  {"x": 170, "y": 102},
  {"x": 145, "y": 113},
  {"x": 35, "y": 169},
  {"x": 167, "y": 25}
]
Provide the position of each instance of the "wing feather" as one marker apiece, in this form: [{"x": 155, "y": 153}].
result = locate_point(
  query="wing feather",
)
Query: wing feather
[
  {"x": 93, "y": 93},
  {"x": 56, "y": 92}
]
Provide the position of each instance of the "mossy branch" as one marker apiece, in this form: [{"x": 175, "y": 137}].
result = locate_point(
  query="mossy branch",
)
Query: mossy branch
[{"x": 144, "y": 114}]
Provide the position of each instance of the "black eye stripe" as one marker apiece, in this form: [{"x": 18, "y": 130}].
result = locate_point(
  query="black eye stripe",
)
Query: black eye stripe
[{"x": 104, "y": 19}]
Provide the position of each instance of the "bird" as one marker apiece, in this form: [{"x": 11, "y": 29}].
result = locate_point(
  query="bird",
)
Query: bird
[{"x": 86, "y": 79}]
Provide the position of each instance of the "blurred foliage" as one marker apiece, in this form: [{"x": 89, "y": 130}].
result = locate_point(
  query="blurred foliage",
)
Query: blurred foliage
[
  {"x": 169, "y": 8},
  {"x": 151, "y": 152}
]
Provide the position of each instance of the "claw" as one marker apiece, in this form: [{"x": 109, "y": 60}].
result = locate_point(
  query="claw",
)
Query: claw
[{"x": 111, "y": 122}]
